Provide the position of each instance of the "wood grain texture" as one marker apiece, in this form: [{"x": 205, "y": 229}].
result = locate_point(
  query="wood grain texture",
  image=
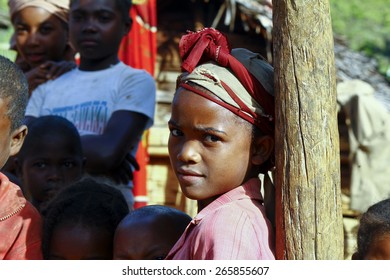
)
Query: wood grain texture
[{"x": 308, "y": 203}]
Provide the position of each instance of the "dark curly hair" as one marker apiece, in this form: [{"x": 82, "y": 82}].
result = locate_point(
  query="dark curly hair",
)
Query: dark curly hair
[
  {"x": 49, "y": 125},
  {"x": 87, "y": 202},
  {"x": 178, "y": 219},
  {"x": 373, "y": 223},
  {"x": 13, "y": 90}
]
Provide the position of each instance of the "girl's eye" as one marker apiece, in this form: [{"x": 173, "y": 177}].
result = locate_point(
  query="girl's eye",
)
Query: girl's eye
[
  {"x": 45, "y": 29},
  {"x": 39, "y": 164},
  {"x": 76, "y": 17},
  {"x": 69, "y": 164},
  {"x": 21, "y": 28},
  {"x": 105, "y": 17},
  {"x": 176, "y": 132},
  {"x": 212, "y": 138}
]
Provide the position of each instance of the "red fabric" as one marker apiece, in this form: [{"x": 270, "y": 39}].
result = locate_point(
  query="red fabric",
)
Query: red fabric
[
  {"x": 20, "y": 224},
  {"x": 139, "y": 50},
  {"x": 209, "y": 44}
]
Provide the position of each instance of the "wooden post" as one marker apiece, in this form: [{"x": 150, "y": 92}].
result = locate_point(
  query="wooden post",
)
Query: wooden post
[{"x": 308, "y": 202}]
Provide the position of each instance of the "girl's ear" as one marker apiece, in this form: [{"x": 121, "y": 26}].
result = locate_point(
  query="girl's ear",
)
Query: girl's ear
[
  {"x": 263, "y": 147},
  {"x": 17, "y": 139}
]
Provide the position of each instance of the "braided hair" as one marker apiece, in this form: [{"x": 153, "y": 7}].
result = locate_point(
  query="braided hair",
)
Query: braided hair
[{"x": 86, "y": 202}]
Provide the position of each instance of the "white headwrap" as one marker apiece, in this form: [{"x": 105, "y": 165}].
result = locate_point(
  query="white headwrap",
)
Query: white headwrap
[{"x": 59, "y": 8}]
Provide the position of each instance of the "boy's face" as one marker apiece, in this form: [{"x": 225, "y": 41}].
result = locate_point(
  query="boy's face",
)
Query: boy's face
[
  {"x": 209, "y": 151},
  {"x": 76, "y": 242},
  {"x": 146, "y": 239},
  {"x": 51, "y": 163},
  {"x": 96, "y": 31},
  {"x": 379, "y": 248},
  {"x": 40, "y": 36},
  {"x": 10, "y": 142}
]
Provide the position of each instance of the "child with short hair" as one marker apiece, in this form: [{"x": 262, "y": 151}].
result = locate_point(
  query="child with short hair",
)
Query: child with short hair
[
  {"x": 20, "y": 222},
  {"x": 373, "y": 240},
  {"x": 41, "y": 39},
  {"x": 80, "y": 221},
  {"x": 50, "y": 158},
  {"x": 149, "y": 233},
  {"x": 219, "y": 146},
  {"x": 110, "y": 103}
]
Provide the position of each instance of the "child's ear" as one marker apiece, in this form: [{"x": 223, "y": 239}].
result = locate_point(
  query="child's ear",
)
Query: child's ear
[
  {"x": 17, "y": 139},
  {"x": 127, "y": 28},
  {"x": 263, "y": 147}
]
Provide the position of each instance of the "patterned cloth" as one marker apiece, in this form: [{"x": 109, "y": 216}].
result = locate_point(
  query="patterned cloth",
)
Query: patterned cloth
[{"x": 243, "y": 80}]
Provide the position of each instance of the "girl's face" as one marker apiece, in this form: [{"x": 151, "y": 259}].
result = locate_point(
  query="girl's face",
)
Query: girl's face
[
  {"x": 210, "y": 152},
  {"x": 76, "y": 242},
  {"x": 40, "y": 36}
]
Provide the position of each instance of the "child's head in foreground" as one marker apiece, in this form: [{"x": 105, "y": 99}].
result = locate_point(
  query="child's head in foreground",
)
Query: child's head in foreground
[
  {"x": 80, "y": 221},
  {"x": 41, "y": 30},
  {"x": 149, "y": 233},
  {"x": 50, "y": 158},
  {"x": 373, "y": 240},
  {"x": 97, "y": 29},
  {"x": 13, "y": 102},
  {"x": 222, "y": 124}
]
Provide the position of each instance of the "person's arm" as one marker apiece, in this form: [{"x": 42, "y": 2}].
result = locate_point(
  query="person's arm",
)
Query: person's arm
[
  {"x": 49, "y": 70},
  {"x": 106, "y": 153}
]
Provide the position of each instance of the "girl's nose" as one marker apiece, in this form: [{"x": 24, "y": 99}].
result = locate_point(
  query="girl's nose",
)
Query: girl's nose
[
  {"x": 189, "y": 152},
  {"x": 33, "y": 39},
  {"x": 54, "y": 174},
  {"x": 89, "y": 26}
]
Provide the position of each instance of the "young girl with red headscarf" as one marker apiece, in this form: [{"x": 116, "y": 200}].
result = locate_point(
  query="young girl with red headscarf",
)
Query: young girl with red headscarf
[{"x": 222, "y": 138}]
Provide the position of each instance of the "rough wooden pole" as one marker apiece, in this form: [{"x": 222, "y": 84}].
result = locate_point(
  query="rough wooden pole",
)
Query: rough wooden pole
[{"x": 308, "y": 203}]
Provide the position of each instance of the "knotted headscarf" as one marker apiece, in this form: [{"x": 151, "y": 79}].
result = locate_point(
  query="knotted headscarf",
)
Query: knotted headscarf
[
  {"x": 243, "y": 80},
  {"x": 59, "y": 8}
]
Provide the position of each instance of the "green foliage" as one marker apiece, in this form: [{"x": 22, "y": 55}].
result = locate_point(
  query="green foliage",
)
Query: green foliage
[
  {"x": 366, "y": 27},
  {"x": 4, "y": 33}
]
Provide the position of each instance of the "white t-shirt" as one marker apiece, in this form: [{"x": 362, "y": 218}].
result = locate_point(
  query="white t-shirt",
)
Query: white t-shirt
[{"x": 89, "y": 98}]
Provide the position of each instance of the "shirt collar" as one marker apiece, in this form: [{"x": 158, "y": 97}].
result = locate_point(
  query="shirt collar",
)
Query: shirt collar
[{"x": 250, "y": 189}]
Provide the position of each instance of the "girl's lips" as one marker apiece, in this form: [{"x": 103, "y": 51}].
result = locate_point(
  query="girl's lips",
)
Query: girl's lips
[
  {"x": 88, "y": 43},
  {"x": 189, "y": 177},
  {"x": 35, "y": 57}
]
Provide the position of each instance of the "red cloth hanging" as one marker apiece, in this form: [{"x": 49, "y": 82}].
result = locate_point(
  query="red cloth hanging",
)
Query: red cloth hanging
[{"x": 139, "y": 49}]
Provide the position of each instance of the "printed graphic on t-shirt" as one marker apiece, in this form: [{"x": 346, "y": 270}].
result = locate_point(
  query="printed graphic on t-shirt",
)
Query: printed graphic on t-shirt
[{"x": 88, "y": 117}]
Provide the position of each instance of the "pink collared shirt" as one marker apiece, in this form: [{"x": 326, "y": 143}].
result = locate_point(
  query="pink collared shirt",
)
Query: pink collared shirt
[{"x": 232, "y": 227}]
